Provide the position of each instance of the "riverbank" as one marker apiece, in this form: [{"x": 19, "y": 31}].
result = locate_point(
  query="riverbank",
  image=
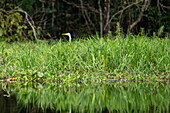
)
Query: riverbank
[{"x": 93, "y": 59}]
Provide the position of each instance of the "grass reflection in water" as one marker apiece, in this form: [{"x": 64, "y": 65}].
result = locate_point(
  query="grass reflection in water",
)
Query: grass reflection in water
[{"x": 92, "y": 98}]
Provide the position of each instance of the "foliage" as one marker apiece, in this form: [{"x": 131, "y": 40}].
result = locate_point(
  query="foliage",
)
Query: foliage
[
  {"x": 10, "y": 25},
  {"x": 82, "y": 17},
  {"x": 13, "y": 27},
  {"x": 16, "y": 24},
  {"x": 133, "y": 57},
  {"x": 157, "y": 19}
]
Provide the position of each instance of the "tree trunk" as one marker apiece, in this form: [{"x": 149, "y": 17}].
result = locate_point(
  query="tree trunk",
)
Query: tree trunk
[
  {"x": 106, "y": 17},
  {"x": 101, "y": 18}
]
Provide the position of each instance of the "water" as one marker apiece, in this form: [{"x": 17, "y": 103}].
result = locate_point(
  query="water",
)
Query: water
[{"x": 111, "y": 97}]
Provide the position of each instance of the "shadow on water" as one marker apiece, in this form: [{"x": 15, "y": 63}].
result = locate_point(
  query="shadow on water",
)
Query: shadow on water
[{"x": 108, "y": 97}]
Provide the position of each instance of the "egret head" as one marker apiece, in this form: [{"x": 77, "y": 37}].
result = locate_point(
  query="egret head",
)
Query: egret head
[{"x": 67, "y": 34}]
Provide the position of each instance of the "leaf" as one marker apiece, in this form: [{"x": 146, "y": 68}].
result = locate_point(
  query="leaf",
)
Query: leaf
[
  {"x": 2, "y": 24},
  {"x": 1, "y": 32}
]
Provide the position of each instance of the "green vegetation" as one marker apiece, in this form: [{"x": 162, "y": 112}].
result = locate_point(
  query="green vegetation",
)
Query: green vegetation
[
  {"x": 44, "y": 72},
  {"x": 82, "y": 17},
  {"x": 111, "y": 97},
  {"x": 93, "y": 59}
]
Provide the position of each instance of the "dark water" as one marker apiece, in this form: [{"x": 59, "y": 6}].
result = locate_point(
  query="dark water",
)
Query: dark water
[{"x": 112, "y": 97}]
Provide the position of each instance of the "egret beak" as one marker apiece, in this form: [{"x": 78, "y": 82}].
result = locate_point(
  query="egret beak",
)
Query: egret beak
[{"x": 67, "y": 34}]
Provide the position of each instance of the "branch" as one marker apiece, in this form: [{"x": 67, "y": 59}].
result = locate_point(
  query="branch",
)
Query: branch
[
  {"x": 158, "y": 3},
  {"x": 107, "y": 15},
  {"x": 80, "y": 6},
  {"x": 85, "y": 15},
  {"x": 26, "y": 16},
  {"x": 101, "y": 19},
  {"x": 167, "y": 7},
  {"x": 121, "y": 12},
  {"x": 144, "y": 8}
]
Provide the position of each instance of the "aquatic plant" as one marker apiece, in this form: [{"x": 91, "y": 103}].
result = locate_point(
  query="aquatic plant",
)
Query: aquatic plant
[{"x": 133, "y": 57}]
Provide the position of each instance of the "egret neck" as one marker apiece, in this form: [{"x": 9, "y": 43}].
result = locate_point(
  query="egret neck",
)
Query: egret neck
[{"x": 67, "y": 34}]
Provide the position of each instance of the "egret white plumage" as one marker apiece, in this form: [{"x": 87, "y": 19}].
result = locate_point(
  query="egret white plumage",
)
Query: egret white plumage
[{"x": 67, "y": 34}]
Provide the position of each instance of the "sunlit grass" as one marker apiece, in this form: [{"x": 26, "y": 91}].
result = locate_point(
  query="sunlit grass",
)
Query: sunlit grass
[{"x": 133, "y": 57}]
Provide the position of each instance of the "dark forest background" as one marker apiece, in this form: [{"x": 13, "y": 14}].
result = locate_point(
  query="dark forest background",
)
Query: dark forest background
[{"x": 49, "y": 18}]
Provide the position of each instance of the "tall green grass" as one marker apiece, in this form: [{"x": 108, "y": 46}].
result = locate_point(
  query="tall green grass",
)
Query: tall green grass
[{"x": 131, "y": 56}]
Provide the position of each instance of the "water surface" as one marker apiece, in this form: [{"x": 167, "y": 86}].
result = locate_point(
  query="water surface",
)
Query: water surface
[{"x": 108, "y": 97}]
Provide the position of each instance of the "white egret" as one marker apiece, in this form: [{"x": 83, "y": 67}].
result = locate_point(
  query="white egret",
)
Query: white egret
[{"x": 67, "y": 34}]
